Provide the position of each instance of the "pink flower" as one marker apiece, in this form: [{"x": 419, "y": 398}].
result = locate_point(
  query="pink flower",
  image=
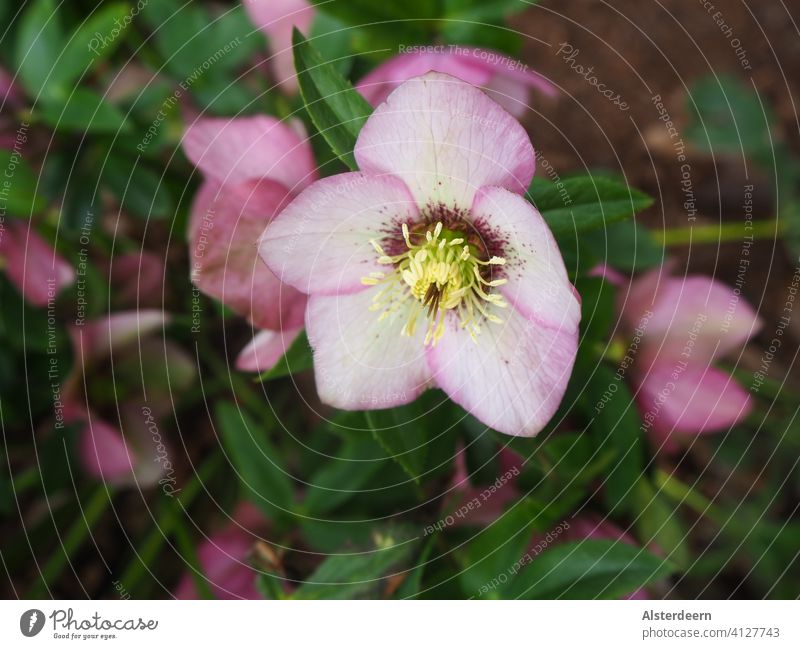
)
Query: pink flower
[
  {"x": 31, "y": 264},
  {"x": 681, "y": 326},
  {"x": 428, "y": 267},
  {"x": 134, "y": 451},
  {"x": 277, "y": 18},
  {"x": 224, "y": 559},
  {"x": 504, "y": 79},
  {"x": 252, "y": 167}
]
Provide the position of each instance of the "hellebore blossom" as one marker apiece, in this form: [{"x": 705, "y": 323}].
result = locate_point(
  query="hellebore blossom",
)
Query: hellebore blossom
[
  {"x": 31, "y": 264},
  {"x": 680, "y": 327},
  {"x": 277, "y": 18},
  {"x": 428, "y": 267},
  {"x": 503, "y": 79},
  {"x": 139, "y": 455},
  {"x": 252, "y": 166},
  {"x": 224, "y": 559}
]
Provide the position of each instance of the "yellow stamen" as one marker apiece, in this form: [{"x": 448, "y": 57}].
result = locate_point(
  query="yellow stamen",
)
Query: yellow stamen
[{"x": 441, "y": 274}]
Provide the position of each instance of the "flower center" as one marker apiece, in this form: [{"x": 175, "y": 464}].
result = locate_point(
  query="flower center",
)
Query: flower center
[{"x": 439, "y": 272}]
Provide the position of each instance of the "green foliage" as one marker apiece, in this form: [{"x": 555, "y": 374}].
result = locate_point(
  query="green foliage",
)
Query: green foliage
[
  {"x": 590, "y": 569},
  {"x": 584, "y": 203},
  {"x": 359, "y": 574},
  {"x": 335, "y": 108},
  {"x": 256, "y": 461}
]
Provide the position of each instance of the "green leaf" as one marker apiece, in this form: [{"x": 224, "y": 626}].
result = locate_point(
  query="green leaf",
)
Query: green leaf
[
  {"x": 139, "y": 190},
  {"x": 404, "y": 434},
  {"x": 585, "y": 203},
  {"x": 590, "y": 569},
  {"x": 18, "y": 186},
  {"x": 86, "y": 111},
  {"x": 597, "y": 307},
  {"x": 410, "y": 587},
  {"x": 353, "y": 575},
  {"x": 494, "y": 554},
  {"x": 343, "y": 475},
  {"x": 334, "y": 106},
  {"x": 91, "y": 43},
  {"x": 257, "y": 463},
  {"x": 39, "y": 43},
  {"x": 298, "y": 358},
  {"x": 625, "y": 245},
  {"x": 657, "y": 523},
  {"x": 615, "y": 425},
  {"x": 728, "y": 117}
]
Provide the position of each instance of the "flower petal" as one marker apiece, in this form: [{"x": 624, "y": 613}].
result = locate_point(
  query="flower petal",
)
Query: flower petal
[
  {"x": 538, "y": 285},
  {"x": 234, "y": 150},
  {"x": 500, "y": 77},
  {"x": 699, "y": 317},
  {"x": 276, "y": 18},
  {"x": 362, "y": 363},
  {"x": 320, "y": 243},
  {"x": 224, "y": 562},
  {"x": 513, "y": 378},
  {"x": 224, "y": 227},
  {"x": 37, "y": 270},
  {"x": 693, "y": 402},
  {"x": 266, "y": 349},
  {"x": 98, "y": 338},
  {"x": 376, "y": 86},
  {"x": 446, "y": 139},
  {"x": 103, "y": 452}
]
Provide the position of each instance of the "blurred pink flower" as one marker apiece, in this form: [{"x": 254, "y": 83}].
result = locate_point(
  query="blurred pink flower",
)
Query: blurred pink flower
[
  {"x": 31, "y": 263},
  {"x": 277, "y": 18},
  {"x": 505, "y": 80},
  {"x": 681, "y": 326},
  {"x": 136, "y": 452},
  {"x": 224, "y": 559},
  {"x": 252, "y": 166},
  {"x": 428, "y": 267}
]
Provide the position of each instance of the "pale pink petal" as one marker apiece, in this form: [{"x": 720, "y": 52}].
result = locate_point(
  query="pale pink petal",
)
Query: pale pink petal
[
  {"x": 446, "y": 139},
  {"x": 362, "y": 363},
  {"x": 376, "y": 86},
  {"x": 266, "y": 349},
  {"x": 234, "y": 150},
  {"x": 503, "y": 79},
  {"x": 224, "y": 562},
  {"x": 538, "y": 285},
  {"x": 513, "y": 378},
  {"x": 276, "y": 18},
  {"x": 104, "y": 453},
  {"x": 225, "y": 224},
  {"x": 699, "y": 319},
  {"x": 690, "y": 400},
  {"x": 320, "y": 243},
  {"x": 96, "y": 339},
  {"x": 31, "y": 264}
]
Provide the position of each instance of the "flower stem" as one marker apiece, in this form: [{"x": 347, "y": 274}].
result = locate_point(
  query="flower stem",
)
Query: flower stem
[{"x": 722, "y": 233}]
